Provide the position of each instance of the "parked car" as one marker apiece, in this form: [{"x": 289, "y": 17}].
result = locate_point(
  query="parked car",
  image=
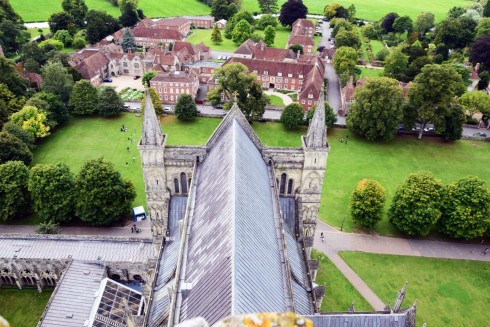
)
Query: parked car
[
  {"x": 479, "y": 134},
  {"x": 219, "y": 57},
  {"x": 429, "y": 129},
  {"x": 126, "y": 106},
  {"x": 218, "y": 106},
  {"x": 225, "y": 57},
  {"x": 167, "y": 109},
  {"x": 107, "y": 80},
  {"x": 136, "y": 77}
]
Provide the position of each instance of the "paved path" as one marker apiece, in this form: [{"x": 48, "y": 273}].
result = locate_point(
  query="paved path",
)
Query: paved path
[
  {"x": 107, "y": 231},
  {"x": 285, "y": 98},
  {"x": 336, "y": 241}
]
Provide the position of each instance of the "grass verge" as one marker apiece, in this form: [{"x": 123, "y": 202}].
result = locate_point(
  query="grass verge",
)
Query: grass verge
[
  {"x": 448, "y": 292},
  {"x": 339, "y": 292}
]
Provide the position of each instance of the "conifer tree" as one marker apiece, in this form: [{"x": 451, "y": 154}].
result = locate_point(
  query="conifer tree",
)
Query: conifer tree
[
  {"x": 128, "y": 42},
  {"x": 216, "y": 37},
  {"x": 269, "y": 35}
]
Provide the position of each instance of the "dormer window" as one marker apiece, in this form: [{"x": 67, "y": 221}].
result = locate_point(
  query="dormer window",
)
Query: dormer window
[
  {"x": 255, "y": 71},
  {"x": 300, "y": 76},
  {"x": 310, "y": 96},
  {"x": 266, "y": 72},
  {"x": 279, "y": 74},
  {"x": 290, "y": 75}
]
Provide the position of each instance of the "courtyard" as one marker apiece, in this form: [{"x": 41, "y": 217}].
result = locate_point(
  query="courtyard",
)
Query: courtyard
[{"x": 124, "y": 81}]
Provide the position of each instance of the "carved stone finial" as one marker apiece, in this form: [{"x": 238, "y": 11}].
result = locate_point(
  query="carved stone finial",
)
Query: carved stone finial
[{"x": 235, "y": 96}]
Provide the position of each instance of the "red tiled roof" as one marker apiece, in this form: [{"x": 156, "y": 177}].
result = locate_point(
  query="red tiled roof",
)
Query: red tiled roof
[
  {"x": 157, "y": 33},
  {"x": 301, "y": 40},
  {"x": 185, "y": 77},
  {"x": 175, "y": 21},
  {"x": 144, "y": 23},
  {"x": 90, "y": 66},
  {"x": 301, "y": 22}
]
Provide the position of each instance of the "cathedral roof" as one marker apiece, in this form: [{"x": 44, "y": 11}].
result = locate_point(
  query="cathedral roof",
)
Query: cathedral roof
[{"x": 152, "y": 132}]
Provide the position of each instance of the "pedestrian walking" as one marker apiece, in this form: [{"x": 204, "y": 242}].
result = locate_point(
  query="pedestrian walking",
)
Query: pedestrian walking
[
  {"x": 128, "y": 148},
  {"x": 126, "y": 165},
  {"x": 484, "y": 252},
  {"x": 342, "y": 140},
  {"x": 321, "y": 234},
  {"x": 134, "y": 158},
  {"x": 323, "y": 238},
  {"x": 132, "y": 229}
]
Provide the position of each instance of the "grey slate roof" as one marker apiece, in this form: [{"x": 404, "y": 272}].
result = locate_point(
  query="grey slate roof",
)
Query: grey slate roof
[
  {"x": 234, "y": 262},
  {"x": 360, "y": 320},
  {"x": 73, "y": 298},
  {"x": 76, "y": 249},
  {"x": 176, "y": 212}
]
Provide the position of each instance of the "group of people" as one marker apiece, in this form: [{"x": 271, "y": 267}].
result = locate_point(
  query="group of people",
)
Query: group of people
[
  {"x": 344, "y": 140},
  {"x": 131, "y": 140},
  {"x": 135, "y": 229}
]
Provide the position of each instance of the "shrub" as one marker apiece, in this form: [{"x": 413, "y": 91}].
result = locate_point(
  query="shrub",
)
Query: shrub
[
  {"x": 367, "y": 203},
  {"x": 47, "y": 228},
  {"x": 292, "y": 115}
]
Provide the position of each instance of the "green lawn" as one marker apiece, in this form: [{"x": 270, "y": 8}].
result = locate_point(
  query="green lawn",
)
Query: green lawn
[
  {"x": 23, "y": 308},
  {"x": 276, "y": 101},
  {"x": 34, "y": 31},
  {"x": 200, "y": 35},
  {"x": 376, "y": 46},
  {"x": 370, "y": 72},
  {"x": 32, "y": 10},
  {"x": 448, "y": 292},
  {"x": 376, "y": 9},
  {"x": 339, "y": 292},
  {"x": 84, "y": 139},
  {"x": 390, "y": 163}
]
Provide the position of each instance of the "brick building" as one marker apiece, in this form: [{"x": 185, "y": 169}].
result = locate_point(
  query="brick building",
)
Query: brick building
[
  {"x": 307, "y": 43},
  {"x": 303, "y": 27},
  {"x": 206, "y": 22},
  {"x": 170, "y": 85},
  {"x": 179, "y": 24}
]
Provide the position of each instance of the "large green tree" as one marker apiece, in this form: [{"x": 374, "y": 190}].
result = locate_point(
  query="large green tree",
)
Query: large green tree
[
  {"x": 61, "y": 21},
  {"x": 475, "y": 102},
  {"x": 452, "y": 130},
  {"x": 84, "y": 99},
  {"x": 99, "y": 25},
  {"x": 235, "y": 77},
  {"x": 266, "y": 20},
  {"x": 129, "y": 15},
  {"x": 431, "y": 96},
  {"x": 466, "y": 209},
  {"x": 402, "y": 24},
  {"x": 377, "y": 110},
  {"x": 424, "y": 22},
  {"x": 268, "y": 6},
  {"x": 9, "y": 99},
  {"x": 344, "y": 62},
  {"x": 483, "y": 27},
  {"x": 346, "y": 38},
  {"x": 26, "y": 137},
  {"x": 185, "y": 108},
  {"x": 416, "y": 205},
  {"x": 12, "y": 148},
  {"x": 396, "y": 65},
  {"x": 13, "y": 33},
  {"x": 292, "y": 115},
  {"x": 14, "y": 196},
  {"x": 77, "y": 9},
  {"x": 291, "y": 11},
  {"x": 237, "y": 17},
  {"x": 56, "y": 111},
  {"x": 102, "y": 195},
  {"x": 241, "y": 32},
  {"x": 456, "y": 33},
  {"x": 269, "y": 35},
  {"x": 57, "y": 80},
  {"x": 110, "y": 103},
  {"x": 216, "y": 37},
  {"x": 10, "y": 77},
  {"x": 52, "y": 190},
  {"x": 367, "y": 203}
]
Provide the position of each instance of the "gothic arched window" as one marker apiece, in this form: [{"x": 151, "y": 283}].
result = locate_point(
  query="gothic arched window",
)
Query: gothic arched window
[
  {"x": 290, "y": 186},
  {"x": 183, "y": 183},
  {"x": 282, "y": 187},
  {"x": 176, "y": 185}
]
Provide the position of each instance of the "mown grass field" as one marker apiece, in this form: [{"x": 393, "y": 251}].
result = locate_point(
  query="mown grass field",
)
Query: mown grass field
[
  {"x": 370, "y": 72},
  {"x": 23, "y": 308},
  {"x": 276, "y": 101},
  {"x": 390, "y": 163},
  {"x": 448, "y": 292},
  {"x": 339, "y": 292},
  {"x": 31, "y": 10}
]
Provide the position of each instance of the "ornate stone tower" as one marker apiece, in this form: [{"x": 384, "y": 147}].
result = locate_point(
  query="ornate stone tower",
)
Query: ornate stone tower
[
  {"x": 152, "y": 147},
  {"x": 315, "y": 148}
]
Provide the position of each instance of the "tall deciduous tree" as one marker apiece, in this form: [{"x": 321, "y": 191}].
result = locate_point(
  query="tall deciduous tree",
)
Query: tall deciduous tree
[
  {"x": 416, "y": 205},
  {"x": 268, "y": 6},
  {"x": 292, "y": 115},
  {"x": 433, "y": 93},
  {"x": 475, "y": 102},
  {"x": 14, "y": 196},
  {"x": 452, "y": 130},
  {"x": 269, "y": 35},
  {"x": 185, "y": 108},
  {"x": 367, "y": 203},
  {"x": 110, "y": 103},
  {"x": 235, "y": 77},
  {"x": 52, "y": 190},
  {"x": 61, "y": 21},
  {"x": 456, "y": 33},
  {"x": 12, "y": 148},
  {"x": 402, "y": 24},
  {"x": 57, "y": 80},
  {"x": 348, "y": 39},
  {"x": 424, "y": 22},
  {"x": 129, "y": 15},
  {"x": 266, "y": 20},
  {"x": 377, "y": 110},
  {"x": 344, "y": 62},
  {"x": 241, "y": 32},
  {"x": 56, "y": 111},
  {"x": 84, "y": 99},
  {"x": 23, "y": 135},
  {"x": 102, "y": 196},
  {"x": 388, "y": 21},
  {"x": 216, "y": 37},
  {"x": 480, "y": 52},
  {"x": 99, "y": 25},
  {"x": 32, "y": 120},
  {"x": 128, "y": 42},
  {"x": 292, "y": 10},
  {"x": 466, "y": 209},
  {"x": 396, "y": 65},
  {"x": 77, "y": 9}
]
